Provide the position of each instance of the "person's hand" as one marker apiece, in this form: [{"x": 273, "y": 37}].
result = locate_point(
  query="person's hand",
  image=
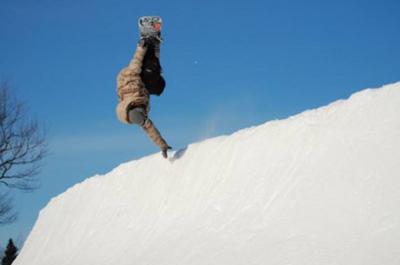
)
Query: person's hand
[{"x": 165, "y": 150}]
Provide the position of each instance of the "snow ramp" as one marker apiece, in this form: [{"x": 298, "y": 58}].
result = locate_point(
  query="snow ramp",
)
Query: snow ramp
[{"x": 321, "y": 187}]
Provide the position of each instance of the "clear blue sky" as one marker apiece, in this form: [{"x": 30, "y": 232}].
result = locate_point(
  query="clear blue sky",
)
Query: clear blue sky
[{"x": 228, "y": 65}]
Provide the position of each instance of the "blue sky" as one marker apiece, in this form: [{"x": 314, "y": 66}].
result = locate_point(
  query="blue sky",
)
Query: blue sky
[{"x": 228, "y": 65}]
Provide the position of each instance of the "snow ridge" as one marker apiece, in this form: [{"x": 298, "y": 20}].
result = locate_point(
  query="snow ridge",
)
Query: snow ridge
[{"x": 321, "y": 187}]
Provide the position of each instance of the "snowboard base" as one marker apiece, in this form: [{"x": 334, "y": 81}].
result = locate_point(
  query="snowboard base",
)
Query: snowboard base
[{"x": 150, "y": 26}]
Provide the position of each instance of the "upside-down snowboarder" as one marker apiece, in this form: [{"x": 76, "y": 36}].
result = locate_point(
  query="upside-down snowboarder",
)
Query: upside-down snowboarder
[{"x": 142, "y": 78}]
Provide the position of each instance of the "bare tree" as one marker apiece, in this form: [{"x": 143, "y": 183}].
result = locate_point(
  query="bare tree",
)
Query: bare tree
[
  {"x": 7, "y": 215},
  {"x": 22, "y": 148}
]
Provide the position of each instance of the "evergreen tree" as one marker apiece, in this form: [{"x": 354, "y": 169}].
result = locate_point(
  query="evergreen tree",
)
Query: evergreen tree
[{"x": 10, "y": 254}]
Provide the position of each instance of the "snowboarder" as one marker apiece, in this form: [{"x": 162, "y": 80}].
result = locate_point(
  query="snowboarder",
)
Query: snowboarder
[{"x": 142, "y": 78}]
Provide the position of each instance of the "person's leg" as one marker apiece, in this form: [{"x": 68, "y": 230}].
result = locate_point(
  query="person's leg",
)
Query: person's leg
[{"x": 151, "y": 70}]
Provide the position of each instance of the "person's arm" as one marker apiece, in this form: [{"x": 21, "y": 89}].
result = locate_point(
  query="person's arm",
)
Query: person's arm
[{"x": 156, "y": 137}]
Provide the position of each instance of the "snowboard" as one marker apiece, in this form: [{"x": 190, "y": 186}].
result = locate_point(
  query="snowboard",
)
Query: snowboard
[{"x": 150, "y": 26}]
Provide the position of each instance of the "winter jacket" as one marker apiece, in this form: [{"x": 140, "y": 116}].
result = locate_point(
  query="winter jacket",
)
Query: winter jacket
[
  {"x": 132, "y": 93},
  {"x": 130, "y": 88}
]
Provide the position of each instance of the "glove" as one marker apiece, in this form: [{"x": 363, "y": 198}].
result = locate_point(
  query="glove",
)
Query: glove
[{"x": 164, "y": 151}]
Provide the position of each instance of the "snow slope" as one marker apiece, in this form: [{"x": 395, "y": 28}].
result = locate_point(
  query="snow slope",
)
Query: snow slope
[{"x": 321, "y": 187}]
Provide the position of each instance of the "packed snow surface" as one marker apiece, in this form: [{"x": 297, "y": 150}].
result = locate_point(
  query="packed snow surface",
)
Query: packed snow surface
[{"x": 321, "y": 187}]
